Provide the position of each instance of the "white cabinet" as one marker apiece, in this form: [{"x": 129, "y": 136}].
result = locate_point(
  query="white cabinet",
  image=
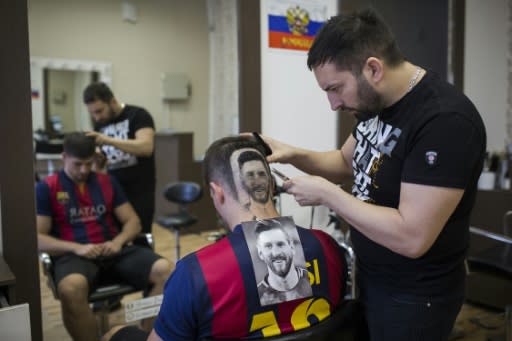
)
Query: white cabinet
[{"x": 15, "y": 323}]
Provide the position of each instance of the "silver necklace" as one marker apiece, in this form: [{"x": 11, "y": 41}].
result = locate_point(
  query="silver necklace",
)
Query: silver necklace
[{"x": 414, "y": 78}]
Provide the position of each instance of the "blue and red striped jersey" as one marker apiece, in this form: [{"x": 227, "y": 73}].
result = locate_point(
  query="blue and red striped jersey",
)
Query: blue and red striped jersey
[
  {"x": 213, "y": 292},
  {"x": 83, "y": 214}
]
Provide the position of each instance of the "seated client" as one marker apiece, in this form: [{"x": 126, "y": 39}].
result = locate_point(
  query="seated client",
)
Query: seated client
[
  {"x": 86, "y": 224},
  {"x": 267, "y": 277}
]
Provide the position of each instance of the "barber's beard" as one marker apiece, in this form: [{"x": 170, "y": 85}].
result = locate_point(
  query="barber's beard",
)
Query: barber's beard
[
  {"x": 371, "y": 103},
  {"x": 111, "y": 115}
]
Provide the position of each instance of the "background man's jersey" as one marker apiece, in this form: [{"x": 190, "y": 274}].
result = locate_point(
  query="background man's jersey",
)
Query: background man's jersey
[{"x": 84, "y": 214}]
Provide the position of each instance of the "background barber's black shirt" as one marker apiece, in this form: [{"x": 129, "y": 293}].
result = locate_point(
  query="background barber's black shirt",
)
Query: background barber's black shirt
[{"x": 133, "y": 172}]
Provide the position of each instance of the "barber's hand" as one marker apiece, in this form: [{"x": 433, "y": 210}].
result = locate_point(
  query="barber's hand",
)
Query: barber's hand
[
  {"x": 308, "y": 190},
  {"x": 99, "y": 138},
  {"x": 99, "y": 162},
  {"x": 111, "y": 248},
  {"x": 89, "y": 250}
]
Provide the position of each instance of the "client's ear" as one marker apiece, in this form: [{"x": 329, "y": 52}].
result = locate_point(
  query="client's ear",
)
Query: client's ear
[{"x": 217, "y": 193}]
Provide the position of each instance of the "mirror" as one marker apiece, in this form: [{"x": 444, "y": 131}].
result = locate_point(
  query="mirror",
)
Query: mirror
[{"x": 57, "y": 86}]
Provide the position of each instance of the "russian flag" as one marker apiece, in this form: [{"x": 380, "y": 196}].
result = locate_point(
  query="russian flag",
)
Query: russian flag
[{"x": 293, "y": 27}]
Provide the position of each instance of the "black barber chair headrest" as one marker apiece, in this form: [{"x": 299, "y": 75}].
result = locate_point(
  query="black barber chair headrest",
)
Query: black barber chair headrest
[{"x": 183, "y": 192}]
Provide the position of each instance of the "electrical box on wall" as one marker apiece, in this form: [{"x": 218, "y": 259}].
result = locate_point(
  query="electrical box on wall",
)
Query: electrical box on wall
[{"x": 175, "y": 86}]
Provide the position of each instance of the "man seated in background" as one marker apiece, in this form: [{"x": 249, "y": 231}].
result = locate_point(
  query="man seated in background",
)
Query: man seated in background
[
  {"x": 86, "y": 223},
  {"x": 213, "y": 293}
]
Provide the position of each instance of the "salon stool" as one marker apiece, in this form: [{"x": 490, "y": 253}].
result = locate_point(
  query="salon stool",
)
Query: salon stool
[{"x": 182, "y": 194}]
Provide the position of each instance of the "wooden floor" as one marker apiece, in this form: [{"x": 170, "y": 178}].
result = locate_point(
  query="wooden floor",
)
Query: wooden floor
[{"x": 473, "y": 324}]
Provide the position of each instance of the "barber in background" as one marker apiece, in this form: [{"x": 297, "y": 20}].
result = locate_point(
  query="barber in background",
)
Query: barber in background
[
  {"x": 125, "y": 134},
  {"x": 416, "y": 154}
]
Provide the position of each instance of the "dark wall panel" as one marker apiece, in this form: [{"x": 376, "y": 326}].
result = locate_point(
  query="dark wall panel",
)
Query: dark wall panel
[
  {"x": 16, "y": 168},
  {"x": 420, "y": 27}
]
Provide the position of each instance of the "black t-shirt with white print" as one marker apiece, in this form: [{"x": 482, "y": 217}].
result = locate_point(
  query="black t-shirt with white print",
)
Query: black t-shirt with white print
[
  {"x": 432, "y": 136},
  {"x": 133, "y": 172}
]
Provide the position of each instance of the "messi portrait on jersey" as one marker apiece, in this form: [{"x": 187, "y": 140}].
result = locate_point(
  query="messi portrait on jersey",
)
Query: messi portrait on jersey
[{"x": 278, "y": 260}]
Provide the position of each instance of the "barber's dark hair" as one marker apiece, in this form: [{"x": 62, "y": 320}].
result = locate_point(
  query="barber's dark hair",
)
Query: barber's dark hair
[
  {"x": 79, "y": 145},
  {"x": 97, "y": 91},
  {"x": 348, "y": 40},
  {"x": 217, "y": 159}
]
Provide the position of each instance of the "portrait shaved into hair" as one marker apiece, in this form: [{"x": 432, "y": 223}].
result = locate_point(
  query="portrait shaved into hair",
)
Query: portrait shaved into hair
[
  {"x": 252, "y": 177},
  {"x": 278, "y": 260}
]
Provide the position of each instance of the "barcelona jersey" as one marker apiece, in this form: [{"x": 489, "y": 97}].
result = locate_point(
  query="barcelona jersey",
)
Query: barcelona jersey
[
  {"x": 80, "y": 213},
  {"x": 213, "y": 293}
]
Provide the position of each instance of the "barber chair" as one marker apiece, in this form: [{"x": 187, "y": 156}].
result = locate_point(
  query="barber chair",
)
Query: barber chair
[
  {"x": 489, "y": 274},
  {"x": 489, "y": 270},
  {"x": 106, "y": 292},
  {"x": 182, "y": 194}
]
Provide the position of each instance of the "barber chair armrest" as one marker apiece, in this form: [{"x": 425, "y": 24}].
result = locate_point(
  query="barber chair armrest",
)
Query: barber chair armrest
[
  {"x": 47, "y": 263},
  {"x": 145, "y": 239},
  {"x": 491, "y": 235},
  {"x": 496, "y": 259},
  {"x": 106, "y": 292}
]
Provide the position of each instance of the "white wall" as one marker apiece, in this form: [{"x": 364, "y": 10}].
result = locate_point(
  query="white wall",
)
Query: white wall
[
  {"x": 169, "y": 36},
  {"x": 294, "y": 109},
  {"x": 485, "y": 67},
  {"x": 224, "y": 68}
]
